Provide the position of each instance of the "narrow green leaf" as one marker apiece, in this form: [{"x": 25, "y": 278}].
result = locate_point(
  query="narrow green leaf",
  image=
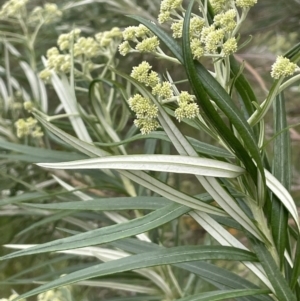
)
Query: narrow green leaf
[
  {"x": 296, "y": 269},
  {"x": 164, "y": 163},
  {"x": 283, "y": 195},
  {"x": 294, "y": 53},
  {"x": 40, "y": 153},
  {"x": 68, "y": 100},
  {"x": 161, "y": 257},
  {"x": 107, "y": 234},
  {"x": 223, "y": 295},
  {"x": 44, "y": 221},
  {"x": 243, "y": 87},
  {"x": 139, "y": 177},
  {"x": 119, "y": 203},
  {"x": 38, "y": 89},
  {"x": 219, "y": 277},
  {"x": 282, "y": 171},
  {"x": 200, "y": 147},
  {"x": 139, "y": 298},
  {"x": 282, "y": 290}
]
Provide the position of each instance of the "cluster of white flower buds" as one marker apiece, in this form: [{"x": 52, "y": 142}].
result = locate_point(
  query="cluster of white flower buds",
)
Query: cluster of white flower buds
[
  {"x": 49, "y": 13},
  {"x": 83, "y": 49},
  {"x": 143, "y": 38},
  {"x": 28, "y": 127},
  {"x": 13, "y": 9},
  {"x": 146, "y": 112},
  {"x": 283, "y": 67}
]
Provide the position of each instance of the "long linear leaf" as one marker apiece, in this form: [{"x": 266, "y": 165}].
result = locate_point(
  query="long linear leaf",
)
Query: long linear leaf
[
  {"x": 139, "y": 177},
  {"x": 107, "y": 234},
  {"x": 161, "y": 257},
  {"x": 283, "y": 195},
  {"x": 243, "y": 87},
  {"x": 282, "y": 290},
  {"x": 119, "y": 203},
  {"x": 282, "y": 171},
  {"x": 296, "y": 269},
  {"x": 219, "y": 277},
  {"x": 226, "y": 239},
  {"x": 222, "y": 295},
  {"x": 68, "y": 100},
  {"x": 164, "y": 163},
  {"x": 40, "y": 153},
  {"x": 200, "y": 147}
]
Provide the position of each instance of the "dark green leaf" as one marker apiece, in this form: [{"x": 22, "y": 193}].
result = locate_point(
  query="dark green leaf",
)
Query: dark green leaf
[
  {"x": 296, "y": 268},
  {"x": 281, "y": 288},
  {"x": 282, "y": 171}
]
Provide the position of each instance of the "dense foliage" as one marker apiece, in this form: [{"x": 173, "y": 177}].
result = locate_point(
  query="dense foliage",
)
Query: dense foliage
[{"x": 136, "y": 164}]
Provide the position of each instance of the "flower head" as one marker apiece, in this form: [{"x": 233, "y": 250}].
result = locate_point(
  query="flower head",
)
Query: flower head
[
  {"x": 124, "y": 48},
  {"x": 167, "y": 5},
  {"x": 283, "y": 67},
  {"x": 86, "y": 46},
  {"x": 245, "y": 3},
  {"x": 230, "y": 46},
  {"x": 142, "y": 107},
  {"x": 187, "y": 107},
  {"x": 140, "y": 72},
  {"x": 163, "y": 90},
  {"x": 218, "y": 5},
  {"x": 196, "y": 26},
  {"x": 64, "y": 40},
  {"x": 164, "y": 16},
  {"x": 106, "y": 37},
  {"x": 146, "y": 125},
  {"x": 197, "y": 48},
  {"x": 146, "y": 113},
  {"x": 45, "y": 75},
  {"x": 142, "y": 31},
  {"x": 177, "y": 29},
  {"x": 129, "y": 34},
  {"x": 148, "y": 44},
  {"x": 26, "y": 127},
  {"x": 213, "y": 39},
  {"x": 226, "y": 20},
  {"x": 12, "y": 8}
]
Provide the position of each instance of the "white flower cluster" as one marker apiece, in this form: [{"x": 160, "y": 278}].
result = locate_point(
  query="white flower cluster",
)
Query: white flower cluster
[
  {"x": 209, "y": 40},
  {"x": 143, "y": 38},
  {"x": 83, "y": 50},
  {"x": 28, "y": 127},
  {"x": 283, "y": 67},
  {"x": 12, "y": 8},
  {"x": 49, "y": 13}
]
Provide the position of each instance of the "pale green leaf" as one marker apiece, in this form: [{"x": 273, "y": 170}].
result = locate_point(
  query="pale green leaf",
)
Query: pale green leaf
[{"x": 164, "y": 163}]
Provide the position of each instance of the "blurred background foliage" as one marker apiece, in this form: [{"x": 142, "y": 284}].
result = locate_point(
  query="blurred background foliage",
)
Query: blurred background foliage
[{"x": 274, "y": 27}]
